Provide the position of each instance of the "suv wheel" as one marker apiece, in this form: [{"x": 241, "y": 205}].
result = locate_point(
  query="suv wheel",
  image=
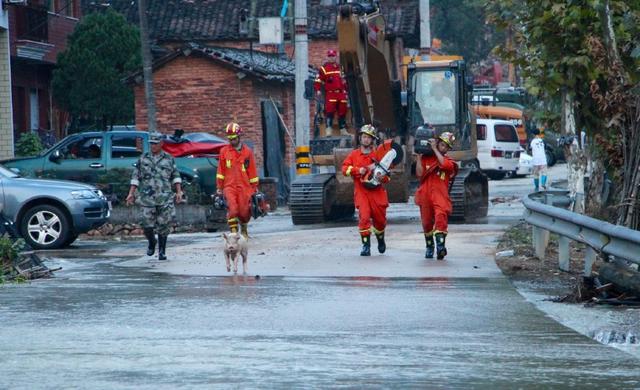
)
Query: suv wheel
[{"x": 45, "y": 227}]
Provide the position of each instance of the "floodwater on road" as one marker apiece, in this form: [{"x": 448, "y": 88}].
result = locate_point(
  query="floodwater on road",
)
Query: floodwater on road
[{"x": 98, "y": 325}]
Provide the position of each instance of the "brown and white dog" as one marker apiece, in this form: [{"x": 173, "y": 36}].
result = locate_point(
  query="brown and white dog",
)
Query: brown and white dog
[{"x": 235, "y": 245}]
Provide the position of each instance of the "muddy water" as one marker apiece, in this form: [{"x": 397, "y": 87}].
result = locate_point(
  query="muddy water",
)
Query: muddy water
[{"x": 97, "y": 325}]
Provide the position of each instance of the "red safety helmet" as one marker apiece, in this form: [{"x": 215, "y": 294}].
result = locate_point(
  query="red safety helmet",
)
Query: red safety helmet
[
  {"x": 331, "y": 53},
  {"x": 233, "y": 130}
]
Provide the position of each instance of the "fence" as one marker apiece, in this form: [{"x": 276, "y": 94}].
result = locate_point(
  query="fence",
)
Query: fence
[{"x": 543, "y": 212}]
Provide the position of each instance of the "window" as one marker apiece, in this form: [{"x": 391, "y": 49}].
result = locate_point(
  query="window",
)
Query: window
[
  {"x": 63, "y": 7},
  {"x": 435, "y": 94},
  {"x": 482, "y": 132},
  {"x": 83, "y": 149},
  {"x": 126, "y": 146},
  {"x": 32, "y": 23},
  {"x": 506, "y": 133}
]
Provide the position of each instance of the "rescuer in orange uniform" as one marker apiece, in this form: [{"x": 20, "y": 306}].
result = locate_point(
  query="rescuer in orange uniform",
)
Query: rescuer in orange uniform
[
  {"x": 335, "y": 92},
  {"x": 371, "y": 203},
  {"x": 237, "y": 179},
  {"x": 435, "y": 172}
]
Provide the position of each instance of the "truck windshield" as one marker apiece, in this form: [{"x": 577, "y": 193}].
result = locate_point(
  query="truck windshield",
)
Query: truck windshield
[{"x": 435, "y": 94}]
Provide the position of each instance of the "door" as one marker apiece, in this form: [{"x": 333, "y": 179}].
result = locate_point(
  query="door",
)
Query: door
[
  {"x": 274, "y": 149},
  {"x": 34, "y": 110},
  {"x": 80, "y": 159}
]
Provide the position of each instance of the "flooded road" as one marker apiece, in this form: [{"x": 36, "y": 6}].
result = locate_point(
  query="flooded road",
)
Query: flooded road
[{"x": 98, "y": 325}]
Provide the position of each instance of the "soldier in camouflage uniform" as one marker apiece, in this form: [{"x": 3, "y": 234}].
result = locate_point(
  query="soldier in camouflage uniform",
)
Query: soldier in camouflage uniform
[{"x": 153, "y": 177}]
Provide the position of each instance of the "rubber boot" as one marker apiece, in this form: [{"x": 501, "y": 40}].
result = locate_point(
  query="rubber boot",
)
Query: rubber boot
[
  {"x": 151, "y": 249},
  {"x": 366, "y": 246},
  {"x": 162, "y": 246},
  {"x": 428, "y": 238},
  {"x": 441, "y": 250},
  {"x": 536, "y": 184},
  {"x": 342, "y": 124},
  {"x": 382, "y": 246},
  {"x": 543, "y": 182},
  {"x": 244, "y": 230},
  {"x": 233, "y": 225},
  {"x": 329, "y": 129}
]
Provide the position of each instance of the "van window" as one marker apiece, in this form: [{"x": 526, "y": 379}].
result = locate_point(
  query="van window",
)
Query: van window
[
  {"x": 506, "y": 133},
  {"x": 482, "y": 132}
]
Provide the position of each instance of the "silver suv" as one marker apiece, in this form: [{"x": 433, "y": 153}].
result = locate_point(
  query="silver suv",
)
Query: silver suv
[{"x": 50, "y": 214}]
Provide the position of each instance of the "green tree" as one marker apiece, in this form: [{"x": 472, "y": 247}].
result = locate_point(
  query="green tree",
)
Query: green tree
[
  {"x": 567, "y": 52},
  {"x": 102, "y": 50},
  {"x": 463, "y": 29}
]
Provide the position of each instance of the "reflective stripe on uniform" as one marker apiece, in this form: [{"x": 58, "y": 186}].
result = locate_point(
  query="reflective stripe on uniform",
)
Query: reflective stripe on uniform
[
  {"x": 219, "y": 176},
  {"x": 376, "y": 231},
  {"x": 228, "y": 163},
  {"x": 349, "y": 170},
  {"x": 254, "y": 180}
]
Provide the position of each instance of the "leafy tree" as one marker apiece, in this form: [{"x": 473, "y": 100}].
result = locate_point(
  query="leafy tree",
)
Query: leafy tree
[
  {"x": 463, "y": 29},
  {"x": 567, "y": 52},
  {"x": 102, "y": 50}
]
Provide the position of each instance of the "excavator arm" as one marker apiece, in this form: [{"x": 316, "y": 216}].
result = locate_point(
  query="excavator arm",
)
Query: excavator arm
[{"x": 365, "y": 56}]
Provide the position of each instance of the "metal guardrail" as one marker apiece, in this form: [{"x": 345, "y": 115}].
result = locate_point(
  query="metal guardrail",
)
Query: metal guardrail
[{"x": 543, "y": 211}]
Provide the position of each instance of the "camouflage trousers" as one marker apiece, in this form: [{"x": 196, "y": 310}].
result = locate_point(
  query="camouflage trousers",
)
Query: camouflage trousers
[{"x": 160, "y": 218}]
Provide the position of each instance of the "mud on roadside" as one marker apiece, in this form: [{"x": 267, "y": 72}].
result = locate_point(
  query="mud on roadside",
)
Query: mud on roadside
[{"x": 542, "y": 275}]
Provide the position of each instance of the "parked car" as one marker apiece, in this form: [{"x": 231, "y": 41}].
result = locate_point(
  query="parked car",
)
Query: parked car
[
  {"x": 50, "y": 214},
  {"x": 88, "y": 157},
  {"x": 498, "y": 147},
  {"x": 525, "y": 164}
]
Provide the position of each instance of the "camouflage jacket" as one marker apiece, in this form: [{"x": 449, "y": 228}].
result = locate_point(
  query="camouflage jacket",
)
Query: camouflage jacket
[{"x": 154, "y": 175}]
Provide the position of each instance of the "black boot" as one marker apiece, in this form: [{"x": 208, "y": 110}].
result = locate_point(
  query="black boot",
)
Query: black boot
[
  {"x": 430, "y": 246},
  {"x": 162, "y": 246},
  {"x": 148, "y": 232},
  {"x": 342, "y": 123},
  {"x": 330, "y": 122},
  {"x": 440, "y": 248},
  {"x": 382, "y": 246},
  {"x": 366, "y": 246}
]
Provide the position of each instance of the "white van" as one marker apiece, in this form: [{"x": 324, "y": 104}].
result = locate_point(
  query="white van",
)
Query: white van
[{"x": 498, "y": 147}]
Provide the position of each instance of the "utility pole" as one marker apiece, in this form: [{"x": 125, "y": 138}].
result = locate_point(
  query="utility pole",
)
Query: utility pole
[
  {"x": 303, "y": 164},
  {"x": 425, "y": 30},
  {"x": 147, "y": 66}
]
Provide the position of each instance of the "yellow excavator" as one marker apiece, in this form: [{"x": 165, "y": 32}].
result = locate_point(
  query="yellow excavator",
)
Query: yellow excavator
[{"x": 435, "y": 94}]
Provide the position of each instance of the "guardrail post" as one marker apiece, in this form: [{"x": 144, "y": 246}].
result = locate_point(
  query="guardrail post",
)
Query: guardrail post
[
  {"x": 589, "y": 259},
  {"x": 540, "y": 241},
  {"x": 563, "y": 253}
]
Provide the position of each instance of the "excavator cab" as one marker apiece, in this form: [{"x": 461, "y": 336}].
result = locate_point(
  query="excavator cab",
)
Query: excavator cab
[{"x": 438, "y": 95}]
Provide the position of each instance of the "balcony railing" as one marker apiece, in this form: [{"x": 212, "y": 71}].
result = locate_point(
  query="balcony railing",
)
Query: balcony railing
[{"x": 32, "y": 24}]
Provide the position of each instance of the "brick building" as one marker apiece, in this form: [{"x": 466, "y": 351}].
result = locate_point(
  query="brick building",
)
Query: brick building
[
  {"x": 202, "y": 88},
  {"x": 38, "y": 32}
]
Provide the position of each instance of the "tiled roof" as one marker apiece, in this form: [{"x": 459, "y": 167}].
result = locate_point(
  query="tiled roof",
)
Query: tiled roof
[
  {"x": 218, "y": 20},
  {"x": 266, "y": 66}
]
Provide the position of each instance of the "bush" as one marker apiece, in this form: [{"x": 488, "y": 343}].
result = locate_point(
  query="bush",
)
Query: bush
[
  {"x": 29, "y": 144},
  {"x": 9, "y": 252}
]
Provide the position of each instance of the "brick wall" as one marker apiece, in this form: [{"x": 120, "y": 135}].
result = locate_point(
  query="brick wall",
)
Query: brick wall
[
  {"x": 198, "y": 95},
  {"x": 6, "y": 121}
]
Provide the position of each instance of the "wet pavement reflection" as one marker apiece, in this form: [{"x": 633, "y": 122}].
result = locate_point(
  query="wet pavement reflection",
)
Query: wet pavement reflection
[{"x": 97, "y": 325}]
